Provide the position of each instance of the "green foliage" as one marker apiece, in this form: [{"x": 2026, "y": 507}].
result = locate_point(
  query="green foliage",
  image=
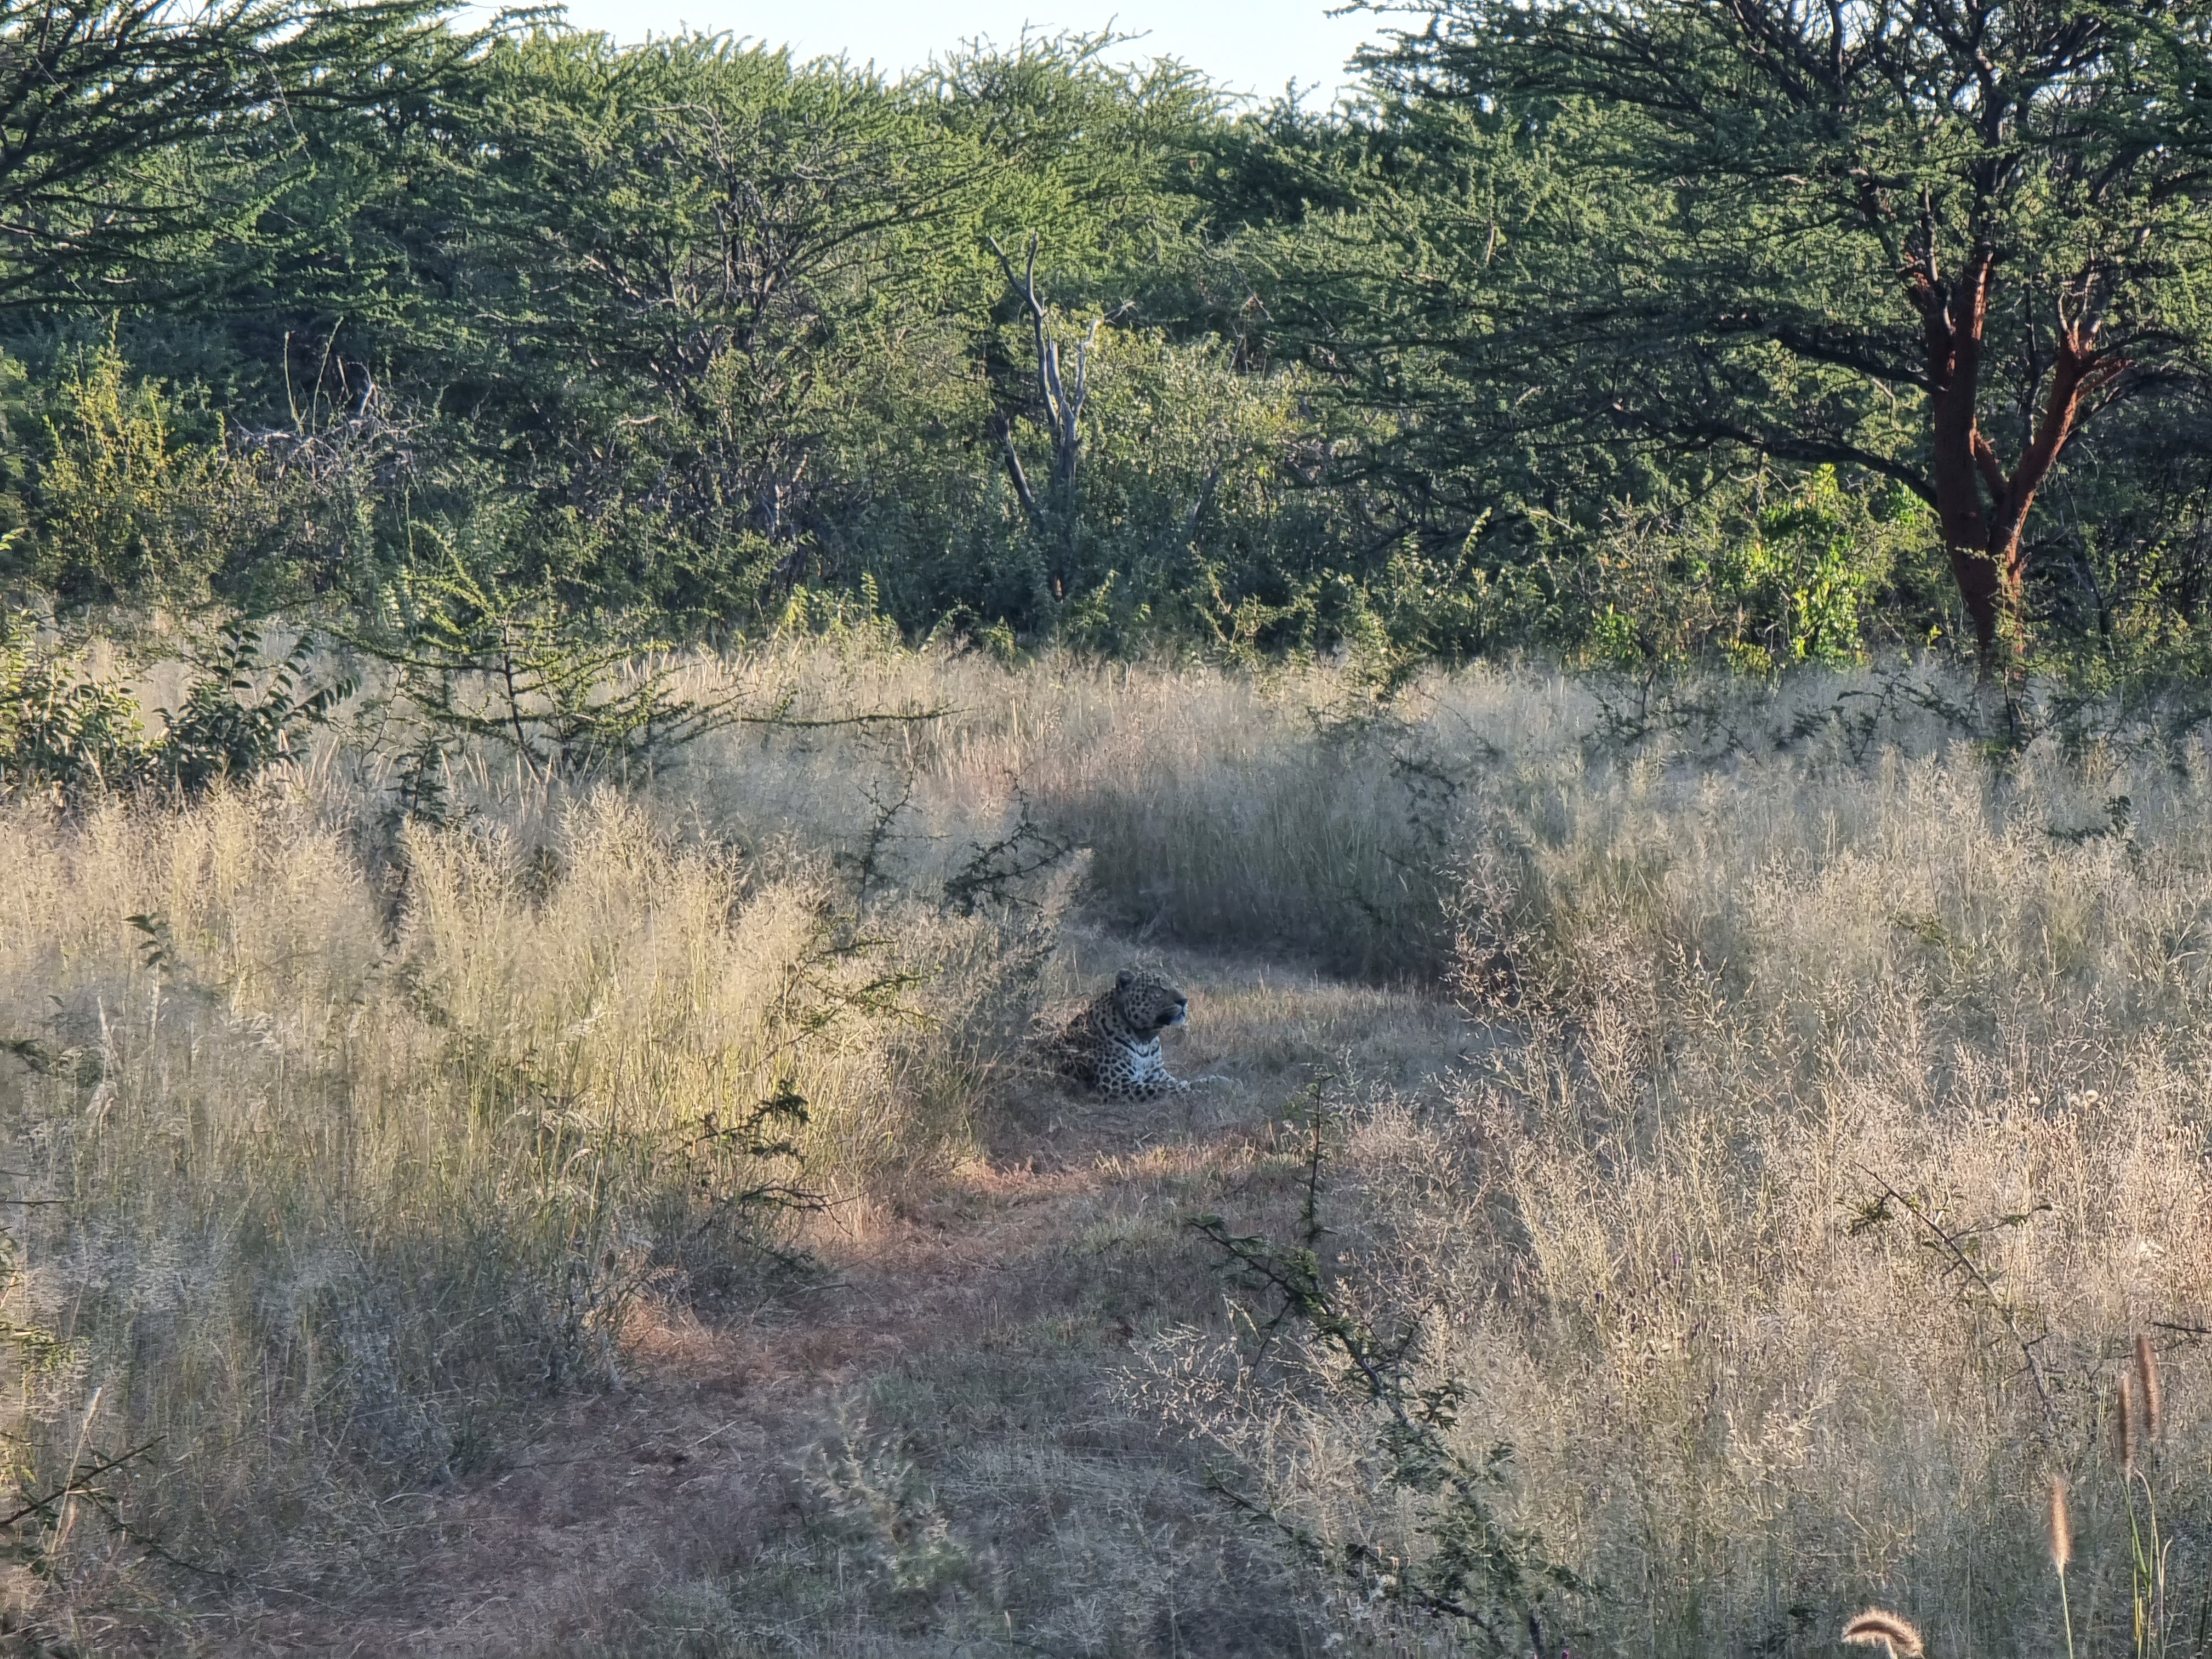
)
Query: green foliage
[
  {"x": 128, "y": 507},
  {"x": 487, "y": 660},
  {"x": 1519, "y": 351},
  {"x": 241, "y": 713},
  {"x": 1636, "y": 233},
  {"x": 66, "y": 731},
  {"x": 62, "y": 730},
  {"x": 1768, "y": 574},
  {"x": 142, "y": 133}
]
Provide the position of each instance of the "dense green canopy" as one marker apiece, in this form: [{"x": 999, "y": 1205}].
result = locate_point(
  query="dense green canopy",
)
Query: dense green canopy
[{"x": 1641, "y": 329}]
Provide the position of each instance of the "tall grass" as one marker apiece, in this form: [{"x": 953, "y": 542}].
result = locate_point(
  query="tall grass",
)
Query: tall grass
[
  {"x": 1832, "y": 1124},
  {"x": 1842, "y": 1124},
  {"x": 1287, "y": 812},
  {"x": 312, "y": 1193}
]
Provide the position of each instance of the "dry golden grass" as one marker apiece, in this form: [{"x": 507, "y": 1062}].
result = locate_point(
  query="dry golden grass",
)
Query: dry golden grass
[
  {"x": 1820, "y": 1124},
  {"x": 1847, "y": 1132},
  {"x": 316, "y": 1194}
]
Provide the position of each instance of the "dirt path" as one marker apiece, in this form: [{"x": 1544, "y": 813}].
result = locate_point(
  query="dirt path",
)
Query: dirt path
[{"x": 972, "y": 1334}]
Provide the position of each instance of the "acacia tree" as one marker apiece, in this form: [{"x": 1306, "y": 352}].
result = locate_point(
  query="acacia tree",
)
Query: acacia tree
[
  {"x": 117, "y": 119},
  {"x": 721, "y": 234},
  {"x": 1929, "y": 239}
]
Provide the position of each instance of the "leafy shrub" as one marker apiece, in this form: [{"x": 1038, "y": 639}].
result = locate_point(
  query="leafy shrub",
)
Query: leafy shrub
[
  {"x": 489, "y": 661},
  {"x": 66, "y": 732},
  {"x": 127, "y": 508},
  {"x": 62, "y": 730},
  {"x": 1762, "y": 575},
  {"x": 242, "y": 713}
]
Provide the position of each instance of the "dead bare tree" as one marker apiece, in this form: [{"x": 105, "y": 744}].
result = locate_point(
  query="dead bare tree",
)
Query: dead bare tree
[{"x": 1060, "y": 400}]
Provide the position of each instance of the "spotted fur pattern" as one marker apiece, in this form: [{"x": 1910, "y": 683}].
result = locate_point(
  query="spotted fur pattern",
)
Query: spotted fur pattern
[{"x": 1114, "y": 1045}]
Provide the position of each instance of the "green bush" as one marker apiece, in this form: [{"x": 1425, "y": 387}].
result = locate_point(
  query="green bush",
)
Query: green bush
[
  {"x": 127, "y": 507},
  {"x": 70, "y": 734}
]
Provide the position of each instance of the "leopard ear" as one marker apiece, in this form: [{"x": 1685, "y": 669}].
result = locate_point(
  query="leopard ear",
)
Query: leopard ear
[{"x": 1124, "y": 980}]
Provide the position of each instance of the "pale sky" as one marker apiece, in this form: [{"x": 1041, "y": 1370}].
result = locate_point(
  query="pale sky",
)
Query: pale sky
[{"x": 1252, "y": 45}]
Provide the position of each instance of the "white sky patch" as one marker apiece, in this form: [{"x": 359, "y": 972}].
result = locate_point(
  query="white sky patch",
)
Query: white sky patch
[{"x": 1251, "y": 46}]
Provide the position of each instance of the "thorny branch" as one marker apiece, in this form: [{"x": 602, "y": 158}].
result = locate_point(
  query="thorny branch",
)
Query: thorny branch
[
  {"x": 1951, "y": 1244},
  {"x": 1479, "y": 1567}
]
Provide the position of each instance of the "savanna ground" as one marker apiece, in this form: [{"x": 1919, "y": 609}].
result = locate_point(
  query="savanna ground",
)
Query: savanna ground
[{"x": 1695, "y": 1164}]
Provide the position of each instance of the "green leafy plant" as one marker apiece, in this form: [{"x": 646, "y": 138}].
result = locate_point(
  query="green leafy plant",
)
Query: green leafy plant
[
  {"x": 489, "y": 661},
  {"x": 67, "y": 731},
  {"x": 62, "y": 730},
  {"x": 243, "y": 711}
]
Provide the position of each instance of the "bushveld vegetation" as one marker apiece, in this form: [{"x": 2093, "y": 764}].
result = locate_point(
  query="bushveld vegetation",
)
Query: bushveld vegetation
[
  {"x": 595, "y": 634},
  {"x": 1762, "y": 334},
  {"x": 1767, "y": 1124}
]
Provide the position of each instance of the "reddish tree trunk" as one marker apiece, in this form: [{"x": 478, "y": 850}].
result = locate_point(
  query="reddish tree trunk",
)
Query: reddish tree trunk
[{"x": 1981, "y": 509}]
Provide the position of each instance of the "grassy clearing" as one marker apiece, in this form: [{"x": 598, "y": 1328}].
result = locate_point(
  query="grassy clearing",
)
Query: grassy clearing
[{"x": 418, "y": 1196}]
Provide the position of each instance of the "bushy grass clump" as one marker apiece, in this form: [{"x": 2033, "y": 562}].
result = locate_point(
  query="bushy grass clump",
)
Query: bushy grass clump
[
  {"x": 320, "y": 1179},
  {"x": 1838, "y": 1130}
]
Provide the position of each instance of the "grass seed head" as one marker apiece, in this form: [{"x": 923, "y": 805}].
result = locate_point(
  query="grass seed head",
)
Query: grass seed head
[
  {"x": 2146, "y": 1387},
  {"x": 1876, "y": 1628},
  {"x": 2062, "y": 1525}
]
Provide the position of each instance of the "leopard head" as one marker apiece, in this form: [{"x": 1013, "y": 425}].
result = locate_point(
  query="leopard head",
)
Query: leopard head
[{"x": 1145, "y": 1003}]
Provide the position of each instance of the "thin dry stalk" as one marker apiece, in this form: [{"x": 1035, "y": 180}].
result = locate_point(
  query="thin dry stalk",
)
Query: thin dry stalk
[
  {"x": 2062, "y": 1552},
  {"x": 2124, "y": 1424},
  {"x": 1877, "y": 1628}
]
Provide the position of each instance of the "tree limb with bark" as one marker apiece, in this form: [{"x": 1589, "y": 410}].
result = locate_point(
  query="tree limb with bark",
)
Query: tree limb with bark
[{"x": 1931, "y": 239}]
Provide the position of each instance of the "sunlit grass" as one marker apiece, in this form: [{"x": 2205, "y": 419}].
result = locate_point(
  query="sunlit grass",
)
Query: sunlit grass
[{"x": 341, "y": 1149}]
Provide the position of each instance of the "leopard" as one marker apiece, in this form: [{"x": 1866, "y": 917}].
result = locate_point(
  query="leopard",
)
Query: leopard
[{"x": 1114, "y": 1045}]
